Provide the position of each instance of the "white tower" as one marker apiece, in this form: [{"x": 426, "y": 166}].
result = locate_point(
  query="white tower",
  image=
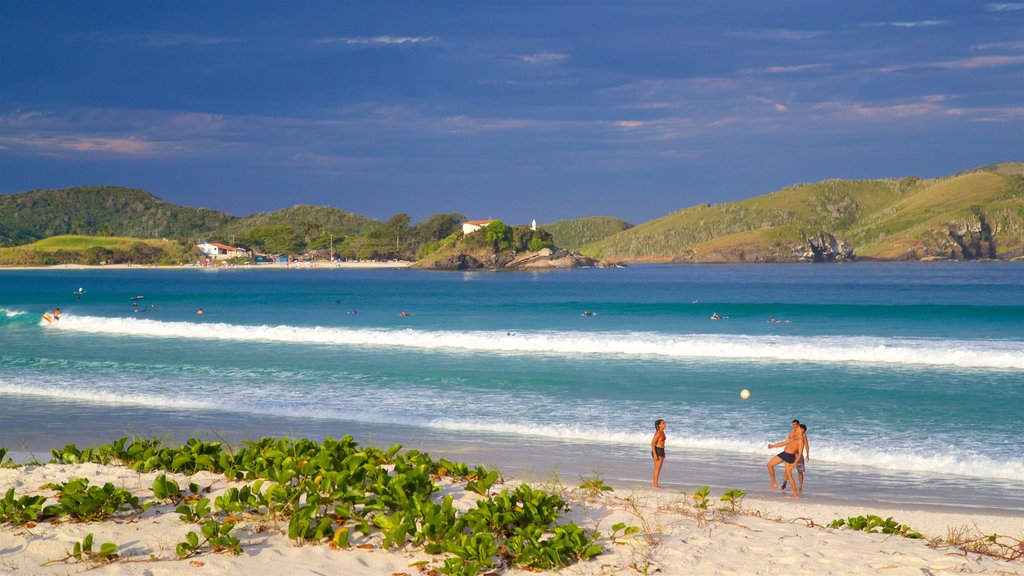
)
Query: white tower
[{"x": 533, "y": 226}]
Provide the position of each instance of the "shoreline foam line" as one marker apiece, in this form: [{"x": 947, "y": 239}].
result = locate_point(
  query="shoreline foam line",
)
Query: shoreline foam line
[
  {"x": 992, "y": 354},
  {"x": 928, "y": 459}
]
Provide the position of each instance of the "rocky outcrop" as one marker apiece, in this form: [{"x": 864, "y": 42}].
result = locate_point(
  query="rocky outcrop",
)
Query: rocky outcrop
[
  {"x": 824, "y": 247},
  {"x": 968, "y": 238},
  {"x": 544, "y": 259}
]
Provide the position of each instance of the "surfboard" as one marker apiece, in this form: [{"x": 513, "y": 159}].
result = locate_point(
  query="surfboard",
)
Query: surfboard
[{"x": 48, "y": 317}]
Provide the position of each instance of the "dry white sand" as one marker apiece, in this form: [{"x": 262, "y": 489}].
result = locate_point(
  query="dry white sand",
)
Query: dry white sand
[{"x": 769, "y": 536}]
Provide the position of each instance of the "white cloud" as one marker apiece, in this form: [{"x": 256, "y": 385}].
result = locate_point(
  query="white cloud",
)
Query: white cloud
[
  {"x": 629, "y": 124},
  {"x": 544, "y": 58},
  {"x": 999, "y": 46},
  {"x": 131, "y": 146},
  {"x": 796, "y": 69},
  {"x": 1005, "y": 7},
  {"x": 379, "y": 40},
  {"x": 916, "y": 24},
  {"x": 960, "y": 64},
  {"x": 166, "y": 39}
]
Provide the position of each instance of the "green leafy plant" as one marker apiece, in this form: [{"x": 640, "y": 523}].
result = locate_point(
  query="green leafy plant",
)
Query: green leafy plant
[
  {"x": 24, "y": 509},
  {"x": 165, "y": 488},
  {"x": 77, "y": 499},
  {"x": 875, "y": 524},
  {"x": 6, "y": 462},
  {"x": 215, "y": 535},
  {"x": 195, "y": 512},
  {"x": 482, "y": 480},
  {"x": 701, "y": 499},
  {"x": 83, "y": 552},
  {"x": 595, "y": 486},
  {"x": 733, "y": 498}
]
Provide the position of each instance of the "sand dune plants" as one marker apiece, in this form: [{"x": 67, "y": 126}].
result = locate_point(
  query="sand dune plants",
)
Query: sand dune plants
[
  {"x": 874, "y": 524},
  {"x": 83, "y": 552},
  {"x": 23, "y": 509},
  {"x": 80, "y": 501},
  {"x": 335, "y": 492}
]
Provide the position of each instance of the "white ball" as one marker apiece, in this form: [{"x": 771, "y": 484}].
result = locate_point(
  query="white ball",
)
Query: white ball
[{"x": 745, "y": 394}]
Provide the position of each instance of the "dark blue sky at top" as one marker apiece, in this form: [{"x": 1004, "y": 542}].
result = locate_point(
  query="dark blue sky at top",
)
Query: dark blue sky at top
[{"x": 511, "y": 110}]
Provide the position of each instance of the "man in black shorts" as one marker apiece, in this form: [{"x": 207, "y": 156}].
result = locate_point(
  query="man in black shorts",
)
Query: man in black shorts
[{"x": 793, "y": 445}]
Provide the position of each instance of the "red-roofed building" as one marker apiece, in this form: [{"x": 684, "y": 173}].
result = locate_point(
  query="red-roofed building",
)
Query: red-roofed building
[
  {"x": 221, "y": 251},
  {"x": 474, "y": 225}
]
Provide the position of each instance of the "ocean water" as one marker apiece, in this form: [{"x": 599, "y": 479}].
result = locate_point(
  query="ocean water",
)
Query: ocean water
[{"x": 910, "y": 377}]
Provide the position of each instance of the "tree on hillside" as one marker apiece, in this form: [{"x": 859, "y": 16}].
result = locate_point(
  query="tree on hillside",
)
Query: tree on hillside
[
  {"x": 395, "y": 228},
  {"x": 275, "y": 239}
]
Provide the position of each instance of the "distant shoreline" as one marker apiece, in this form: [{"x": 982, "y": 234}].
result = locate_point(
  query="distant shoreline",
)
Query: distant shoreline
[{"x": 396, "y": 264}]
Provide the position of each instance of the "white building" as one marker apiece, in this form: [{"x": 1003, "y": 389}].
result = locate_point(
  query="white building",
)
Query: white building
[
  {"x": 221, "y": 251},
  {"x": 474, "y": 225}
]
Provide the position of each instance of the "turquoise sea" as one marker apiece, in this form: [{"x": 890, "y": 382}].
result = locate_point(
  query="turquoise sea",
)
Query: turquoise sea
[{"x": 910, "y": 377}]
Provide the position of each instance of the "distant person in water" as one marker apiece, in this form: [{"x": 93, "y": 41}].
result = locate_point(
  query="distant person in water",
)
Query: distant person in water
[
  {"x": 715, "y": 316},
  {"x": 200, "y": 311},
  {"x": 793, "y": 446},
  {"x": 658, "y": 450}
]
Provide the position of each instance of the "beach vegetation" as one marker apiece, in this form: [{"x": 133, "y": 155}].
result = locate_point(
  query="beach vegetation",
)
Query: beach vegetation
[
  {"x": 23, "y": 509},
  {"x": 193, "y": 512},
  {"x": 733, "y": 498},
  {"x": 6, "y": 462},
  {"x": 338, "y": 492},
  {"x": 482, "y": 480},
  {"x": 969, "y": 539},
  {"x": 165, "y": 488},
  {"x": 701, "y": 499},
  {"x": 79, "y": 500},
  {"x": 875, "y": 524},
  {"x": 83, "y": 552},
  {"x": 216, "y": 536},
  {"x": 594, "y": 487}
]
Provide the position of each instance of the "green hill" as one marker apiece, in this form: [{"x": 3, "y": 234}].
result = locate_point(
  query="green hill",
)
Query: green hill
[
  {"x": 975, "y": 214},
  {"x": 118, "y": 211},
  {"x": 578, "y": 232},
  {"x": 106, "y": 210},
  {"x": 74, "y": 249},
  {"x": 307, "y": 222}
]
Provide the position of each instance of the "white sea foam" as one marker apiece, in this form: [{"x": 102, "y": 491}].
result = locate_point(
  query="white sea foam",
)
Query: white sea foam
[
  {"x": 925, "y": 459},
  {"x": 12, "y": 313},
  {"x": 995, "y": 354}
]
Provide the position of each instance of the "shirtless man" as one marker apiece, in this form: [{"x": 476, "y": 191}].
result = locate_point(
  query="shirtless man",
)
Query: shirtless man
[
  {"x": 801, "y": 461},
  {"x": 793, "y": 447}
]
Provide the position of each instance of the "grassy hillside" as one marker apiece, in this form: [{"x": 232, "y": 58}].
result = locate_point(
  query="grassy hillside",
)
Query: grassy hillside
[
  {"x": 68, "y": 249},
  {"x": 977, "y": 214},
  {"x": 576, "y": 233},
  {"x": 106, "y": 210}
]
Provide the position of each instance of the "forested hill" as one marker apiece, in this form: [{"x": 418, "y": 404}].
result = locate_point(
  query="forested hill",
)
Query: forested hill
[
  {"x": 100, "y": 210},
  {"x": 977, "y": 214},
  {"x": 118, "y": 211}
]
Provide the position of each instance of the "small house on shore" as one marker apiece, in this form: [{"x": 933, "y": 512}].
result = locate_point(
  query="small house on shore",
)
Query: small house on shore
[{"x": 221, "y": 251}]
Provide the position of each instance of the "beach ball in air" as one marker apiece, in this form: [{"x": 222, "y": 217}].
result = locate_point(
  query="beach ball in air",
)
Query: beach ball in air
[{"x": 745, "y": 394}]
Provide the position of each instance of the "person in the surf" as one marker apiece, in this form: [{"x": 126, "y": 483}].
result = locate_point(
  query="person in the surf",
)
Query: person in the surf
[
  {"x": 793, "y": 446},
  {"x": 658, "y": 451}
]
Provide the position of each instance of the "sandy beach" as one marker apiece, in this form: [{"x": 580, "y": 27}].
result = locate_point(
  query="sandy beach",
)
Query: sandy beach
[
  {"x": 355, "y": 264},
  {"x": 766, "y": 536}
]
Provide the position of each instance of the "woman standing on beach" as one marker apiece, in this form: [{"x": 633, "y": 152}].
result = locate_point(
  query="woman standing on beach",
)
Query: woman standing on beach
[{"x": 658, "y": 450}]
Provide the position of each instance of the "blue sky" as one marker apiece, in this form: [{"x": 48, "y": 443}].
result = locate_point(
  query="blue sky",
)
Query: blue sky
[{"x": 511, "y": 110}]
